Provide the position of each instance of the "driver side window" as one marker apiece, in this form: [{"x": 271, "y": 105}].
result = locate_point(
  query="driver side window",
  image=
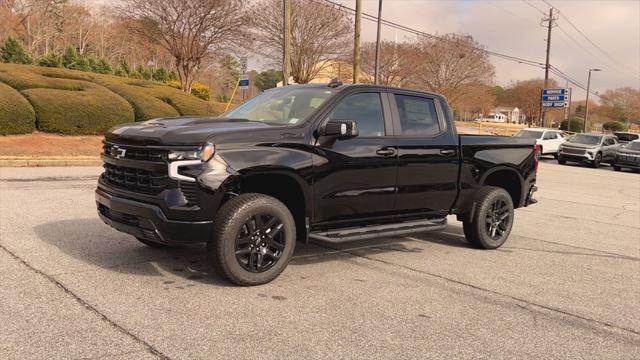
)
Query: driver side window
[{"x": 366, "y": 110}]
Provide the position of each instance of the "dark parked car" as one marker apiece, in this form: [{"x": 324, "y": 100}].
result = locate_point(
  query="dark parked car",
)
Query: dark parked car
[
  {"x": 590, "y": 148},
  {"x": 625, "y": 137},
  {"x": 628, "y": 156},
  {"x": 330, "y": 163}
]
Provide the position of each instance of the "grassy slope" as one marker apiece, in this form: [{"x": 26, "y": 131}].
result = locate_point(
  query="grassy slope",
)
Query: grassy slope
[{"x": 74, "y": 102}]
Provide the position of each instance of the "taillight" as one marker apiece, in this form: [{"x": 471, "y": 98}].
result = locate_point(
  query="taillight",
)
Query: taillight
[{"x": 536, "y": 157}]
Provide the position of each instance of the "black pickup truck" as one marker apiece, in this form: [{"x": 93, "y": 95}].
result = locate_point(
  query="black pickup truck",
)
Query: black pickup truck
[{"x": 330, "y": 163}]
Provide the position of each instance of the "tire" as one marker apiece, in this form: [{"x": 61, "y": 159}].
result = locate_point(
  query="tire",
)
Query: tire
[
  {"x": 596, "y": 161},
  {"x": 154, "y": 245},
  {"x": 561, "y": 161},
  {"x": 242, "y": 249},
  {"x": 491, "y": 204},
  {"x": 616, "y": 168},
  {"x": 555, "y": 156}
]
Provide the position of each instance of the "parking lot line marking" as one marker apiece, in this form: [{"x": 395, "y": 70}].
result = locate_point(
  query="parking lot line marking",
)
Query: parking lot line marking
[
  {"x": 88, "y": 306},
  {"x": 494, "y": 292}
]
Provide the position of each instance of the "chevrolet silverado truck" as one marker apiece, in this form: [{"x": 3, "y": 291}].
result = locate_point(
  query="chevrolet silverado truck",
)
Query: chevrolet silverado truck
[{"x": 330, "y": 163}]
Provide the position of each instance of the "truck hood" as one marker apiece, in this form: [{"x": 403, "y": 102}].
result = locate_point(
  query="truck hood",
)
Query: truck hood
[
  {"x": 578, "y": 145},
  {"x": 179, "y": 131}
]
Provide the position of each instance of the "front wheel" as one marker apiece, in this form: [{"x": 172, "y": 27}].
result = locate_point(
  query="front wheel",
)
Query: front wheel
[
  {"x": 492, "y": 220},
  {"x": 616, "y": 168},
  {"x": 596, "y": 161},
  {"x": 253, "y": 239},
  {"x": 561, "y": 161}
]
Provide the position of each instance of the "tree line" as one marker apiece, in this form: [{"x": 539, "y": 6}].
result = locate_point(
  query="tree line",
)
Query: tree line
[{"x": 189, "y": 40}]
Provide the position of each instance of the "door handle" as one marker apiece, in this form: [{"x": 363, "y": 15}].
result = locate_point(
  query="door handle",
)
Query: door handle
[
  {"x": 447, "y": 152},
  {"x": 385, "y": 151}
]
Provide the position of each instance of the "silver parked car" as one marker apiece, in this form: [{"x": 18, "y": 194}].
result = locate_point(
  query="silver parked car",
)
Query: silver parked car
[{"x": 589, "y": 148}]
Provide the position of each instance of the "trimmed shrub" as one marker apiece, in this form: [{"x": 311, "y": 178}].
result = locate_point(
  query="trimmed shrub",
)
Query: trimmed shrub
[
  {"x": 16, "y": 113},
  {"x": 91, "y": 110},
  {"x": 614, "y": 126},
  {"x": 12, "y": 51},
  {"x": 74, "y": 102},
  {"x": 575, "y": 123}
]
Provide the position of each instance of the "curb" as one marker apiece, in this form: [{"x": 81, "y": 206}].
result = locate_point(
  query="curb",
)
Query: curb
[{"x": 49, "y": 162}]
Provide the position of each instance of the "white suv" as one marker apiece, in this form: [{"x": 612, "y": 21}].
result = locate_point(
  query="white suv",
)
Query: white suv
[{"x": 548, "y": 139}]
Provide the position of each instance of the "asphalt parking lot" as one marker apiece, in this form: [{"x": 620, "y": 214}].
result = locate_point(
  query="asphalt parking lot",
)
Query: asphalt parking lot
[{"x": 565, "y": 285}]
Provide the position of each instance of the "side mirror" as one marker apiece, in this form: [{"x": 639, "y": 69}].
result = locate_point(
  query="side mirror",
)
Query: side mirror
[{"x": 339, "y": 129}]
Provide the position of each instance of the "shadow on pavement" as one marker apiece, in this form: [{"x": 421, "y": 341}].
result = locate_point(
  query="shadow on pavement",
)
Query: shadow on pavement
[{"x": 96, "y": 244}]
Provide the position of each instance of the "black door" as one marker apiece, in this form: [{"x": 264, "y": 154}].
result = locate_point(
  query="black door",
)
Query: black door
[
  {"x": 427, "y": 156},
  {"x": 356, "y": 178}
]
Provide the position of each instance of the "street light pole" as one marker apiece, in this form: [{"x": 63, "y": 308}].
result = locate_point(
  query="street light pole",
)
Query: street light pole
[{"x": 586, "y": 105}]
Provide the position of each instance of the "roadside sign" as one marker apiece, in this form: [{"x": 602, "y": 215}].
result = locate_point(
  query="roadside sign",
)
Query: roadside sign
[
  {"x": 555, "y": 98},
  {"x": 560, "y": 91},
  {"x": 243, "y": 82}
]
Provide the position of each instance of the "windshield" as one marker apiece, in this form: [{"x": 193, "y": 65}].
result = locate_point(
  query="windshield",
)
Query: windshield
[
  {"x": 585, "y": 139},
  {"x": 282, "y": 106},
  {"x": 634, "y": 145},
  {"x": 528, "y": 134},
  {"x": 626, "y": 136}
]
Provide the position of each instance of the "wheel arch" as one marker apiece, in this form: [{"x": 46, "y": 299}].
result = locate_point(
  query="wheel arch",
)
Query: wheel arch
[
  {"x": 508, "y": 179},
  {"x": 284, "y": 184}
]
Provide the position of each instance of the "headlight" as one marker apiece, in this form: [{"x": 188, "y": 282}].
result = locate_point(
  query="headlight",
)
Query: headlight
[
  {"x": 207, "y": 152},
  {"x": 204, "y": 154}
]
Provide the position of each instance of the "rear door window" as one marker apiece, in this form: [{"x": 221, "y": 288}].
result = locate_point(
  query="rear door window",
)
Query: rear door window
[{"x": 417, "y": 115}]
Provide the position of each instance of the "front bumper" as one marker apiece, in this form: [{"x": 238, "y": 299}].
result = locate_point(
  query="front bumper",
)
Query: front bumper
[
  {"x": 575, "y": 158},
  {"x": 626, "y": 163},
  {"x": 148, "y": 221}
]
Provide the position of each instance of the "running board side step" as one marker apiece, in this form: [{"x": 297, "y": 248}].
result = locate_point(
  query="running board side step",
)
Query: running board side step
[{"x": 376, "y": 231}]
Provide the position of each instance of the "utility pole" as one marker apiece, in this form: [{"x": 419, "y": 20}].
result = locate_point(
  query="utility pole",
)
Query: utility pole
[
  {"x": 586, "y": 104},
  {"x": 356, "y": 43},
  {"x": 377, "y": 68},
  {"x": 286, "y": 56},
  {"x": 549, "y": 21}
]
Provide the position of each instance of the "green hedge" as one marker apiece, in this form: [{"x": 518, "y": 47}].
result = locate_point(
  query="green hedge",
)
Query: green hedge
[
  {"x": 75, "y": 102},
  {"x": 91, "y": 110},
  {"x": 614, "y": 126},
  {"x": 16, "y": 114}
]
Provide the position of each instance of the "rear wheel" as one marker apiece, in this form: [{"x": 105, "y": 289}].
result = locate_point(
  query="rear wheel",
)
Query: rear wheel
[
  {"x": 253, "y": 239},
  {"x": 492, "y": 219}
]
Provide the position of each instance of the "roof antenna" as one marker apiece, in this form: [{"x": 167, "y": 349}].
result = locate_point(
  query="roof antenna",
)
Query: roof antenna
[{"x": 334, "y": 83}]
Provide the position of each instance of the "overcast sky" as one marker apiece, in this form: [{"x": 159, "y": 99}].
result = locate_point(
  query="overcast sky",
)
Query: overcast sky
[{"x": 513, "y": 27}]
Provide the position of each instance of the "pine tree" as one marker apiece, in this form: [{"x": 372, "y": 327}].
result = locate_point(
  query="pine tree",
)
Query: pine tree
[{"x": 12, "y": 51}]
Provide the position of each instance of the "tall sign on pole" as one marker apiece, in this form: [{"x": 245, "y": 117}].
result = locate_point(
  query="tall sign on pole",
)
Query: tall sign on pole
[{"x": 549, "y": 21}]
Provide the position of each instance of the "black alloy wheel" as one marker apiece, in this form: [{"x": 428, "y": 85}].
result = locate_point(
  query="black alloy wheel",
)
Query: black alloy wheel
[
  {"x": 497, "y": 219},
  {"x": 260, "y": 243}
]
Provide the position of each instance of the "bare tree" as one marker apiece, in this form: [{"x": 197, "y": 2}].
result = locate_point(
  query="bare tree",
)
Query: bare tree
[
  {"x": 451, "y": 64},
  {"x": 525, "y": 95},
  {"x": 622, "y": 104},
  {"x": 397, "y": 62},
  {"x": 188, "y": 29},
  {"x": 320, "y": 33}
]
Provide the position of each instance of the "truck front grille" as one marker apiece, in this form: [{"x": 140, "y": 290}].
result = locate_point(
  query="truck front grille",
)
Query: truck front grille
[
  {"x": 573, "y": 151},
  {"x": 135, "y": 179},
  {"x": 134, "y": 153}
]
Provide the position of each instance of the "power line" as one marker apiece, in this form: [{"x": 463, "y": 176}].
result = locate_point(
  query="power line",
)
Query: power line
[
  {"x": 370, "y": 17},
  {"x": 431, "y": 36},
  {"x": 535, "y": 7},
  {"x": 635, "y": 72}
]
